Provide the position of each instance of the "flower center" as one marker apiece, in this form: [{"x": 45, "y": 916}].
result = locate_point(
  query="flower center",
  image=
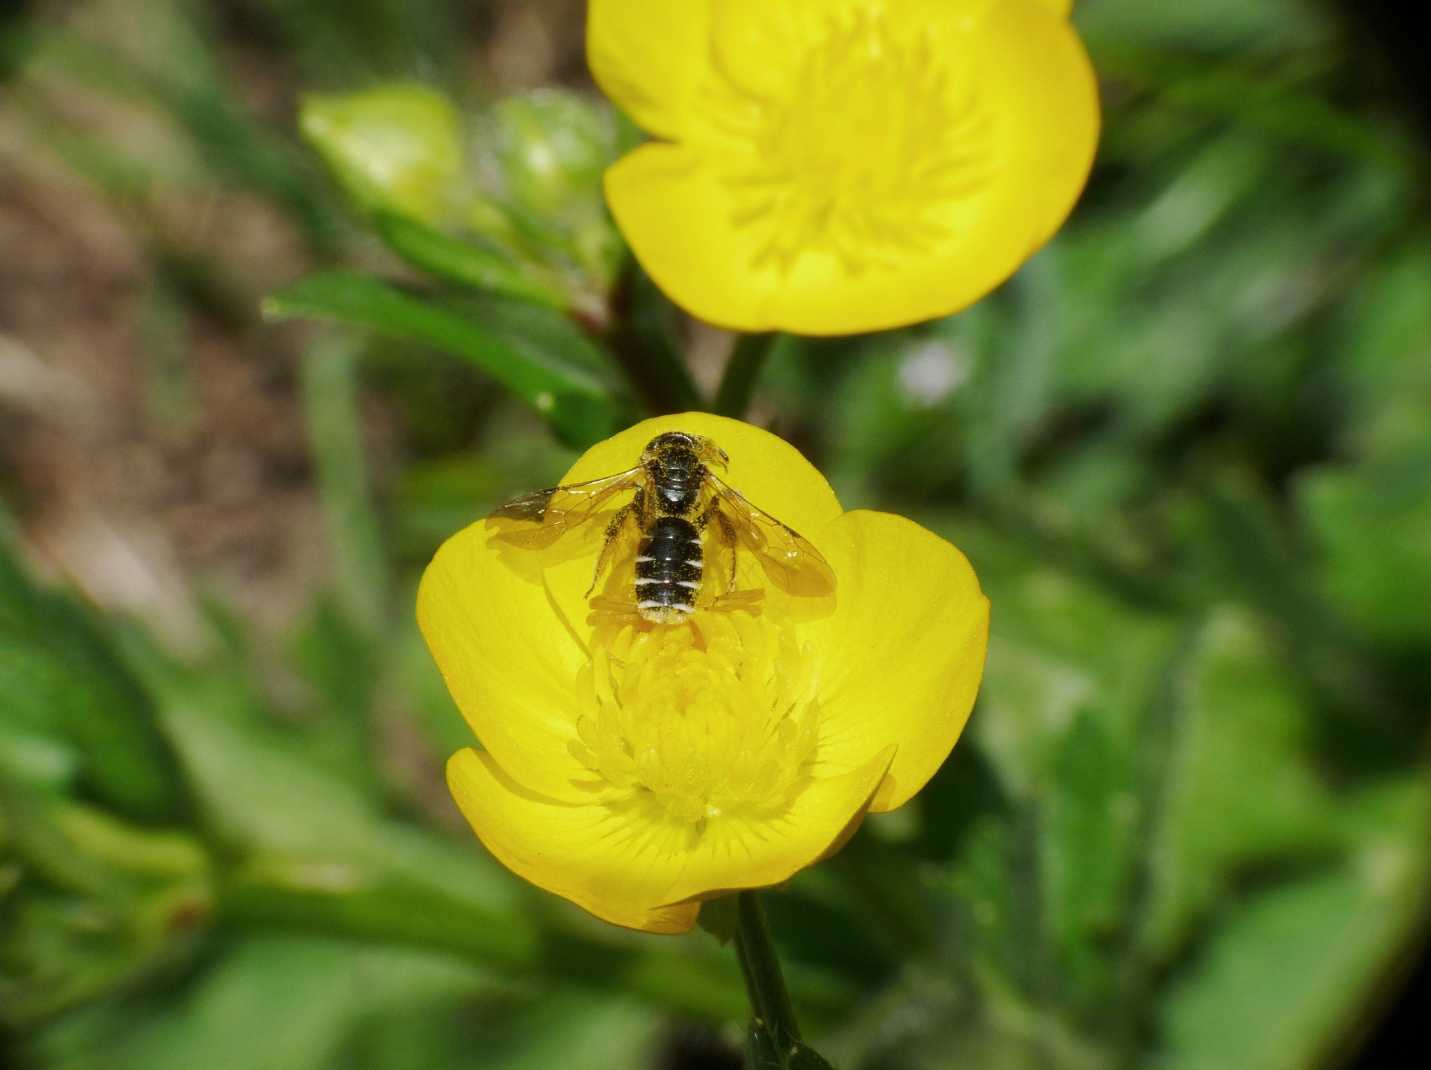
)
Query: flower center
[
  {"x": 713, "y": 717},
  {"x": 861, "y": 152}
]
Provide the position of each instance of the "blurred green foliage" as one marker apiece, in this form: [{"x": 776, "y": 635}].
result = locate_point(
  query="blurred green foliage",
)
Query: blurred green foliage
[{"x": 1186, "y": 449}]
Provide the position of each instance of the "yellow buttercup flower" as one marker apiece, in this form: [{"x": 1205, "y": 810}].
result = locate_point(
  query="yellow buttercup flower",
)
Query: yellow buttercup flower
[
  {"x": 639, "y": 768},
  {"x": 834, "y": 166}
]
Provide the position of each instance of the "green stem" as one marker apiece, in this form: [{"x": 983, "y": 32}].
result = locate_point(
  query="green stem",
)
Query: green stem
[
  {"x": 737, "y": 385},
  {"x": 640, "y": 335},
  {"x": 764, "y": 983}
]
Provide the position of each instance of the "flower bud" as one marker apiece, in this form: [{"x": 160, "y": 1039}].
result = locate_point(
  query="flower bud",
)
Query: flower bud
[{"x": 395, "y": 148}]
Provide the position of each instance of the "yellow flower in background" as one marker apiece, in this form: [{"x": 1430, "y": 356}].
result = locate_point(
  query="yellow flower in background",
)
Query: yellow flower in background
[
  {"x": 835, "y": 166},
  {"x": 637, "y": 768}
]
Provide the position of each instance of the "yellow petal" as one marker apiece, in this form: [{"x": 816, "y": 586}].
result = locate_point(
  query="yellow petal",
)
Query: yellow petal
[
  {"x": 509, "y": 670},
  {"x": 755, "y": 40},
  {"x": 680, "y": 221},
  {"x": 756, "y": 853},
  {"x": 769, "y": 471},
  {"x": 649, "y": 58},
  {"x": 630, "y": 870},
  {"x": 902, "y": 656},
  {"x": 601, "y": 861},
  {"x": 677, "y": 218},
  {"x": 1038, "y": 75}
]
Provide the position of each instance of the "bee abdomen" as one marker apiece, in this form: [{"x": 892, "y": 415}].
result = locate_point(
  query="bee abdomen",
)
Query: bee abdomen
[{"x": 668, "y": 570}]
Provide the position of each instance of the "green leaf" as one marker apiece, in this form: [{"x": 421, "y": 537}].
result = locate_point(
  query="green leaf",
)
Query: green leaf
[
  {"x": 1384, "y": 346},
  {"x": 1372, "y": 525},
  {"x": 469, "y": 261},
  {"x": 1088, "y": 848},
  {"x": 70, "y": 711},
  {"x": 92, "y": 905},
  {"x": 580, "y": 1031},
  {"x": 1061, "y": 645},
  {"x": 285, "y": 1004},
  {"x": 1242, "y": 720},
  {"x": 580, "y": 406},
  {"x": 1291, "y": 972}
]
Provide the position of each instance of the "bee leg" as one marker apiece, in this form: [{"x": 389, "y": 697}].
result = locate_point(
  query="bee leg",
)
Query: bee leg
[
  {"x": 619, "y": 609},
  {"x": 727, "y": 532},
  {"x": 613, "y": 529},
  {"x": 750, "y": 601}
]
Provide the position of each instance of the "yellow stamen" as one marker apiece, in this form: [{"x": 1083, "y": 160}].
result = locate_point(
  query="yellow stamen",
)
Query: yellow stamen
[
  {"x": 872, "y": 135},
  {"x": 698, "y": 720}
]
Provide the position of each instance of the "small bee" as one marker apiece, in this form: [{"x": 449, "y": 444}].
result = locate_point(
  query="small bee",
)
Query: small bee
[{"x": 677, "y": 499}]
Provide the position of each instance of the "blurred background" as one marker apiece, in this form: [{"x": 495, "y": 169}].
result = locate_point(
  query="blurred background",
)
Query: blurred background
[{"x": 289, "y": 291}]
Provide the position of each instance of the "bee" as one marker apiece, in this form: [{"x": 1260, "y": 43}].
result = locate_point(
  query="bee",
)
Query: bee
[{"x": 678, "y": 499}]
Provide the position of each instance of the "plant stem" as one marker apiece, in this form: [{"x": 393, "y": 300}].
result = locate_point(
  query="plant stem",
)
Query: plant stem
[
  {"x": 737, "y": 385},
  {"x": 765, "y": 984},
  {"x": 640, "y": 337}
]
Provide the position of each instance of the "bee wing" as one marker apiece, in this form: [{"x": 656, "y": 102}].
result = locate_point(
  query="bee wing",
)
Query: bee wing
[
  {"x": 536, "y": 520},
  {"x": 787, "y": 557}
]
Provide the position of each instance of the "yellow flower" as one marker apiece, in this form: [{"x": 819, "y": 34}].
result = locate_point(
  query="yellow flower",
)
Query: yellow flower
[
  {"x": 638, "y": 768},
  {"x": 834, "y": 166}
]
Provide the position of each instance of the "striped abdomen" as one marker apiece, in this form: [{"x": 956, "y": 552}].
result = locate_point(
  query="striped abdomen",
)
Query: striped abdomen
[{"x": 668, "y": 570}]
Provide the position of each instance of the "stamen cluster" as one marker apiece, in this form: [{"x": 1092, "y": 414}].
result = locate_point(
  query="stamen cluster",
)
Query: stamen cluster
[{"x": 711, "y": 718}]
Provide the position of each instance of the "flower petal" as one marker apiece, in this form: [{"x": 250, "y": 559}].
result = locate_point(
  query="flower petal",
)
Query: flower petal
[
  {"x": 748, "y": 853},
  {"x": 630, "y": 870},
  {"x": 903, "y": 653},
  {"x": 509, "y": 671},
  {"x": 649, "y": 58},
  {"x": 601, "y": 861},
  {"x": 684, "y": 224},
  {"x": 755, "y": 40},
  {"x": 1061, "y": 7},
  {"x": 766, "y": 469},
  {"x": 676, "y": 216},
  {"x": 1038, "y": 74}
]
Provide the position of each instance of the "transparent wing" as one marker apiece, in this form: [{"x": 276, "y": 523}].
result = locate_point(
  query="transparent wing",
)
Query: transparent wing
[
  {"x": 536, "y": 520},
  {"x": 787, "y": 557}
]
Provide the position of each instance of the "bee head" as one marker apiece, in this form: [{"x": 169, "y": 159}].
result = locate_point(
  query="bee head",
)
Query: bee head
[{"x": 680, "y": 450}]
